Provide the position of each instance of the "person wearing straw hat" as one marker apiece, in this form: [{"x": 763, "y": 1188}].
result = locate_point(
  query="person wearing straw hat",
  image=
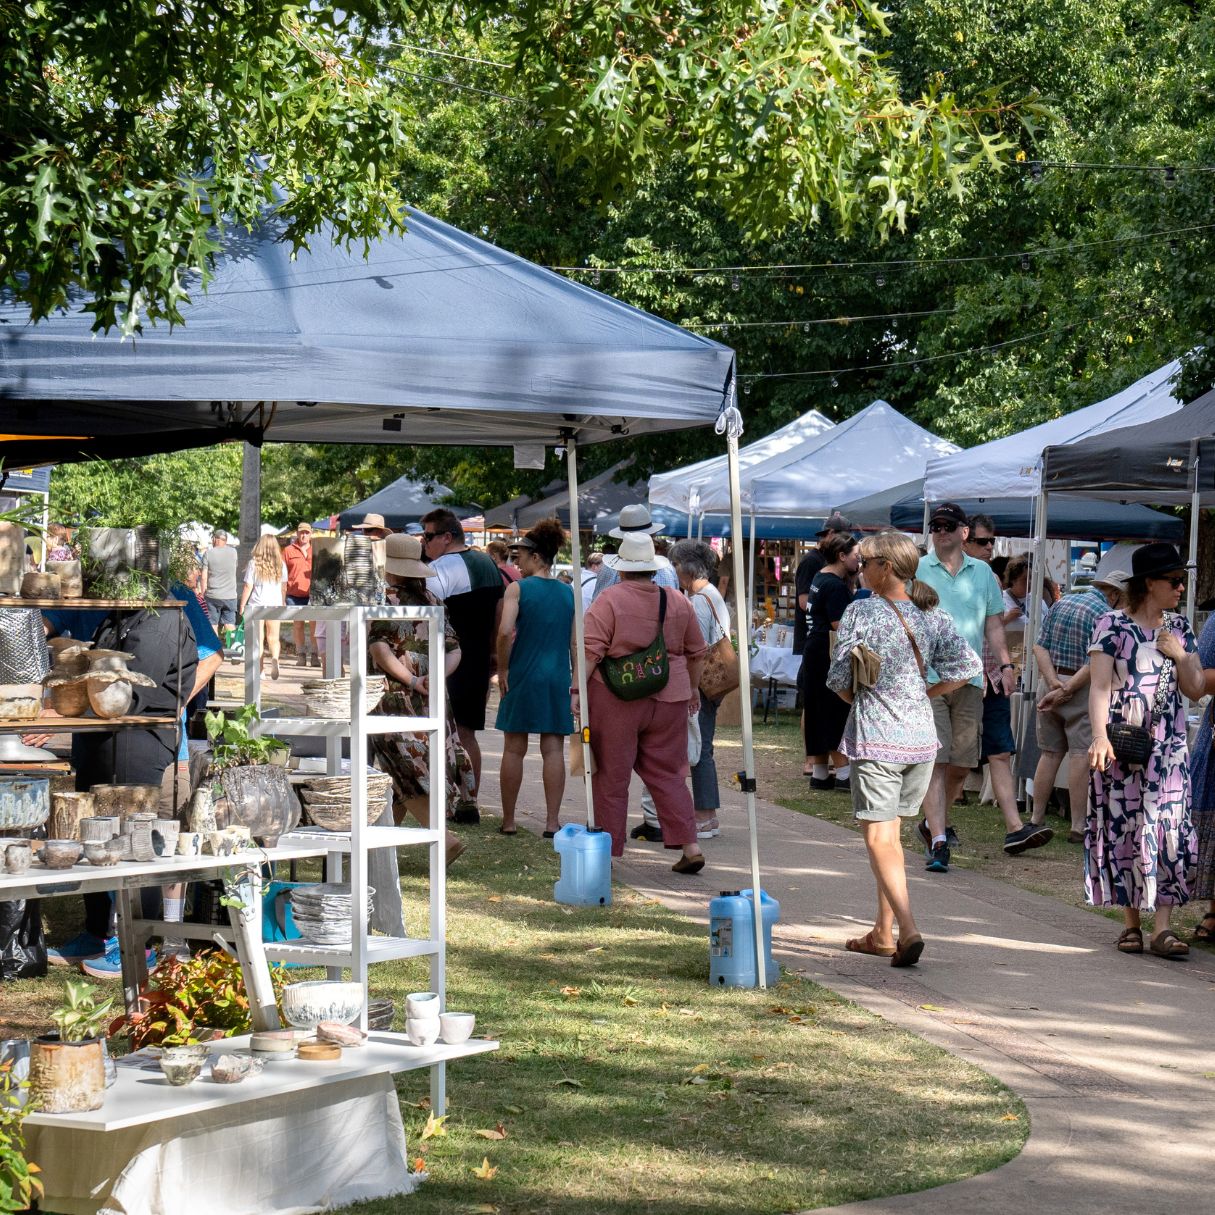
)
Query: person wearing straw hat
[
  {"x": 373, "y": 527},
  {"x": 399, "y": 650},
  {"x": 635, "y": 520},
  {"x": 628, "y": 624}
]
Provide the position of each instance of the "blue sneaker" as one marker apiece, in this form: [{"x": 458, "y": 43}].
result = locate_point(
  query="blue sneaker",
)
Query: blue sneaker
[
  {"x": 72, "y": 953},
  {"x": 109, "y": 965},
  {"x": 938, "y": 859}
]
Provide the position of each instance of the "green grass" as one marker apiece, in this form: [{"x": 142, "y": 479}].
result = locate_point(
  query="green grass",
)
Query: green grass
[{"x": 625, "y": 1084}]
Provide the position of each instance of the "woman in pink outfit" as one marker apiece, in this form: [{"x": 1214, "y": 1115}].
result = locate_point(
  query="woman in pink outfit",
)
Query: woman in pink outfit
[{"x": 647, "y": 736}]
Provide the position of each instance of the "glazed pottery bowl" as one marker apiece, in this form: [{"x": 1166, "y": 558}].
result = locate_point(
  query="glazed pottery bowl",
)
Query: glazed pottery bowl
[
  {"x": 232, "y": 1069},
  {"x": 307, "y": 1004},
  {"x": 456, "y": 1027},
  {"x": 182, "y": 1071},
  {"x": 102, "y": 852},
  {"x": 422, "y": 1004},
  {"x": 24, "y": 802},
  {"x": 60, "y": 854}
]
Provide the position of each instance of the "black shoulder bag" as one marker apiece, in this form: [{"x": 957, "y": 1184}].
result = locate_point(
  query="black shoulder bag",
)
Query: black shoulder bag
[{"x": 1133, "y": 744}]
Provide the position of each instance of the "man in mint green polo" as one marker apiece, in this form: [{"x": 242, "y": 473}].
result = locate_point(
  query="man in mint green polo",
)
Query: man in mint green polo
[{"x": 971, "y": 595}]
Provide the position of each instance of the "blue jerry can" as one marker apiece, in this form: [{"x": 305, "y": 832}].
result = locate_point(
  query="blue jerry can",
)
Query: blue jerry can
[
  {"x": 732, "y": 939},
  {"x": 586, "y": 866}
]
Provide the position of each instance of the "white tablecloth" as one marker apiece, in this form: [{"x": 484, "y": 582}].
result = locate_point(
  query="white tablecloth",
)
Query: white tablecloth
[
  {"x": 284, "y": 1155},
  {"x": 775, "y": 662}
]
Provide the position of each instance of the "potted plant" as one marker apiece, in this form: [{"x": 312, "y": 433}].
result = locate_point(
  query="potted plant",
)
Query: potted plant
[
  {"x": 67, "y": 1069},
  {"x": 250, "y": 775},
  {"x": 19, "y": 1184}
]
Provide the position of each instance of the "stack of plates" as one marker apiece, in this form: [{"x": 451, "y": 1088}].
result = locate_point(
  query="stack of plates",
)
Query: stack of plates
[
  {"x": 327, "y": 799},
  {"x": 331, "y": 697},
  {"x": 322, "y": 912}
]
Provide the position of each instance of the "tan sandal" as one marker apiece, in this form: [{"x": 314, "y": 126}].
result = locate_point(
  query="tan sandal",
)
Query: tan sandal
[
  {"x": 867, "y": 944},
  {"x": 1131, "y": 941}
]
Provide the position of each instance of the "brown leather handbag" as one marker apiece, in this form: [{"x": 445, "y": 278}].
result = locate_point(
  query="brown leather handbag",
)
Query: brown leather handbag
[{"x": 720, "y": 674}]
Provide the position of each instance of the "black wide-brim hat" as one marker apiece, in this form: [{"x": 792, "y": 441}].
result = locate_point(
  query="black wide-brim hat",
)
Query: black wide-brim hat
[{"x": 1156, "y": 560}]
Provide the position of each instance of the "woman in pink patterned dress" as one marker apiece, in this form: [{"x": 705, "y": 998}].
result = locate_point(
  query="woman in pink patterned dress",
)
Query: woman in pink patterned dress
[{"x": 1139, "y": 844}]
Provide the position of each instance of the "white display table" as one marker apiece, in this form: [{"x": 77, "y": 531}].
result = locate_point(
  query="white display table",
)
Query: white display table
[{"x": 300, "y": 1137}]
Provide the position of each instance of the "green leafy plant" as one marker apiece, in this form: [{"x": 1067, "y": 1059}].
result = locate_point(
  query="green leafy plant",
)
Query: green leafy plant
[
  {"x": 192, "y": 1000},
  {"x": 80, "y": 1017},
  {"x": 234, "y": 745},
  {"x": 19, "y": 1183}
]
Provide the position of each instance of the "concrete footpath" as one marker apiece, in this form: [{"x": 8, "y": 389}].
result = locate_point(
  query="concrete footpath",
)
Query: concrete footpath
[{"x": 1111, "y": 1053}]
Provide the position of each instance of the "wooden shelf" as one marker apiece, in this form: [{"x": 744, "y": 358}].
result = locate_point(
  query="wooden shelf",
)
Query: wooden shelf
[
  {"x": 89, "y": 605},
  {"x": 72, "y": 725}
]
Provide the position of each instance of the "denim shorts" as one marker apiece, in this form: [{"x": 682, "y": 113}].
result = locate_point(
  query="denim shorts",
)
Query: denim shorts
[
  {"x": 221, "y": 611},
  {"x": 997, "y": 725}
]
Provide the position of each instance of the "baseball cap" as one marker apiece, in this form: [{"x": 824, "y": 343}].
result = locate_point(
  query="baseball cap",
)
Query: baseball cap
[
  {"x": 835, "y": 523},
  {"x": 951, "y": 511}
]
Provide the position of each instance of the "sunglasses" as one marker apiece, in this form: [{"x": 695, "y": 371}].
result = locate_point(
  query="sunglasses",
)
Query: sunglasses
[
  {"x": 985, "y": 541},
  {"x": 1175, "y": 581},
  {"x": 427, "y": 537},
  {"x": 868, "y": 561},
  {"x": 943, "y": 526}
]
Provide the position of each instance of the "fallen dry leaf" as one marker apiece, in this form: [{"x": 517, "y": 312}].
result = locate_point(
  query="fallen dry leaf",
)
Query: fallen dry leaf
[
  {"x": 493, "y": 898},
  {"x": 487, "y": 1171},
  {"x": 419, "y": 1165},
  {"x": 700, "y": 1067},
  {"x": 571, "y": 993},
  {"x": 1010, "y": 1118},
  {"x": 499, "y": 1132},
  {"x": 628, "y": 1002},
  {"x": 932, "y": 1008},
  {"x": 571, "y": 1083},
  {"x": 434, "y": 1128}
]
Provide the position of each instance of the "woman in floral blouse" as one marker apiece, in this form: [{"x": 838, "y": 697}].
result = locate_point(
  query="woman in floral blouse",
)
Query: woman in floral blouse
[{"x": 890, "y": 736}]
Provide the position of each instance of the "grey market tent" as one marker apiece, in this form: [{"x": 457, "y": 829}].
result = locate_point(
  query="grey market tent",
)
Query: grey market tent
[
  {"x": 437, "y": 337},
  {"x": 597, "y": 496},
  {"x": 401, "y": 502},
  {"x": 675, "y": 523}
]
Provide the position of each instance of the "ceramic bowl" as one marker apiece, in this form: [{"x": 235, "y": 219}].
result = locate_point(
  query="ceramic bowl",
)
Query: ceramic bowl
[
  {"x": 307, "y": 1004},
  {"x": 380, "y": 1013},
  {"x": 60, "y": 854},
  {"x": 182, "y": 1071},
  {"x": 422, "y": 1031},
  {"x": 422, "y": 1004},
  {"x": 456, "y": 1027},
  {"x": 165, "y": 832},
  {"x": 98, "y": 830},
  {"x": 102, "y": 852},
  {"x": 232, "y": 1069},
  {"x": 272, "y": 1042},
  {"x": 24, "y": 803}
]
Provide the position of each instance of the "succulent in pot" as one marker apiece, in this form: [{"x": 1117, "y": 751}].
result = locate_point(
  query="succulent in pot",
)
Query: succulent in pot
[
  {"x": 251, "y": 784},
  {"x": 67, "y": 1069}
]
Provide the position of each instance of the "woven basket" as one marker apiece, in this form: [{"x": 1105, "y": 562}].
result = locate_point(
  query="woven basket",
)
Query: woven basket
[{"x": 331, "y": 697}]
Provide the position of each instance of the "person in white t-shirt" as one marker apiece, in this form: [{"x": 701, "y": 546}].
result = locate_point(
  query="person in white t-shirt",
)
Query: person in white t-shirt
[{"x": 266, "y": 586}]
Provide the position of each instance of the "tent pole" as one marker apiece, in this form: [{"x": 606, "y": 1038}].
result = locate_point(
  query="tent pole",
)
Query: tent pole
[
  {"x": 927, "y": 519},
  {"x": 747, "y": 776},
  {"x": 1195, "y": 510},
  {"x": 1033, "y": 621},
  {"x": 751, "y": 562},
  {"x": 700, "y": 526},
  {"x": 571, "y": 464}
]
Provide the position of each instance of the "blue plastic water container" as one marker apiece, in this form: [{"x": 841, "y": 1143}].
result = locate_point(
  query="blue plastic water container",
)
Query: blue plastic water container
[
  {"x": 732, "y": 939},
  {"x": 586, "y": 866}
]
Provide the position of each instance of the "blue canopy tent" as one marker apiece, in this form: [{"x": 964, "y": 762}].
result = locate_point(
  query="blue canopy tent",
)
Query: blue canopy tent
[
  {"x": 433, "y": 337},
  {"x": 400, "y": 502}
]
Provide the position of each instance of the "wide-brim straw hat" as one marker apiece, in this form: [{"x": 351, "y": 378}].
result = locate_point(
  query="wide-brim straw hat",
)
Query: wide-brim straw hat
[
  {"x": 403, "y": 557},
  {"x": 636, "y": 556},
  {"x": 372, "y": 525},
  {"x": 634, "y": 520}
]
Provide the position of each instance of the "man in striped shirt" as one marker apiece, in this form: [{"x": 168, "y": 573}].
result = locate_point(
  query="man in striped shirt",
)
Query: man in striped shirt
[{"x": 1063, "y": 725}]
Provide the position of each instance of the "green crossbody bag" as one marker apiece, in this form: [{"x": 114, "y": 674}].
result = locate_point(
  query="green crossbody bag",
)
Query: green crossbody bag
[{"x": 643, "y": 672}]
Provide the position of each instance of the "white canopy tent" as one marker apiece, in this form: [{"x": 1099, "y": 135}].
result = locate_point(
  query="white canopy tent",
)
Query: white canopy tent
[
  {"x": 685, "y": 489},
  {"x": 1012, "y": 467}
]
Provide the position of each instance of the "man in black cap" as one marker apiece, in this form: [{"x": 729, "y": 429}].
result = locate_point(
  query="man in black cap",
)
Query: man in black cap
[
  {"x": 970, "y": 593},
  {"x": 811, "y": 564}
]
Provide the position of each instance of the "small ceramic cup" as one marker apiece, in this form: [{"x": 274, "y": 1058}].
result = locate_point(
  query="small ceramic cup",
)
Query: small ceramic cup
[
  {"x": 98, "y": 852},
  {"x": 98, "y": 829},
  {"x": 17, "y": 857},
  {"x": 422, "y": 1031},
  {"x": 456, "y": 1027},
  {"x": 422, "y": 1004},
  {"x": 165, "y": 833},
  {"x": 189, "y": 843}
]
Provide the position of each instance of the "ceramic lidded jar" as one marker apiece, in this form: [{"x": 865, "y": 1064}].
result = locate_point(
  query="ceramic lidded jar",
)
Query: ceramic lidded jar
[{"x": 111, "y": 684}]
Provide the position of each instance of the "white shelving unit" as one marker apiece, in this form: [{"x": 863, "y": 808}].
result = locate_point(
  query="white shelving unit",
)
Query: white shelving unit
[{"x": 346, "y": 852}]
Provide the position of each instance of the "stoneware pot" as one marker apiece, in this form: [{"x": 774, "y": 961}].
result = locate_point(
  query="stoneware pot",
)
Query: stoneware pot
[
  {"x": 17, "y": 857},
  {"x": 103, "y": 852},
  {"x": 189, "y": 843},
  {"x": 60, "y": 854},
  {"x": 456, "y": 1027},
  {"x": 68, "y": 811},
  {"x": 71, "y": 578},
  {"x": 24, "y": 802},
  {"x": 69, "y": 697},
  {"x": 165, "y": 832},
  {"x": 67, "y": 1077},
  {"x": 260, "y": 797},
  {"x": 36, "y": 585},
  {"x": 98, "y": 829},
  {"x": 111, "y": 684},
  {"x": 110, "y": 698},
  {"x": 122, "y": 800}
]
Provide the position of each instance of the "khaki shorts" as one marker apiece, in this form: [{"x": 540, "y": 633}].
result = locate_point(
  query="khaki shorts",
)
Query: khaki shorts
[
  {"x": 1067, "y": 726},
  {"x": 958, "y": 717},
  {"x": 881, "y": 792}
]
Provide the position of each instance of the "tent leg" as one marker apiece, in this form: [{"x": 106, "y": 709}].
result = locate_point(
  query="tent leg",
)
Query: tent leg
[
  {"x": 744, "y": 673},
  {"x": 927, "y": 517},
  {"x": 1033, "y": 621},
  {"x": 751, "y": 562},
  {"x": 1195, "y": 511},
  {"x": 700, "y": 526},
  {"x": 571, "y": 462}
]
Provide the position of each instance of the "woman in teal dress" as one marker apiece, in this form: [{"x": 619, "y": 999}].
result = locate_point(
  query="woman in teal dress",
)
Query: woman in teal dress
[{"x": 535, "y": 641}]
